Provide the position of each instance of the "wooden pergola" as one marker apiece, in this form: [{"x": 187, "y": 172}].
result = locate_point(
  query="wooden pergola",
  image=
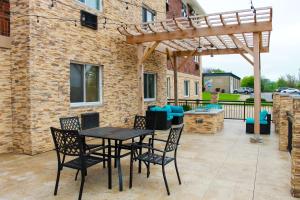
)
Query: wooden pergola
[{"x": 243, "y": 32}]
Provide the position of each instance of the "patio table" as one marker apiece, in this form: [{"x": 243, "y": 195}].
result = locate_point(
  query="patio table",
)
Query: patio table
[{"x": 118, "y": 135}]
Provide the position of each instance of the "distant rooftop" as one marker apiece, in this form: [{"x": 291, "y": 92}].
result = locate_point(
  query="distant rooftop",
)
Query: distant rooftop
[{"x": 222, "y": 74}]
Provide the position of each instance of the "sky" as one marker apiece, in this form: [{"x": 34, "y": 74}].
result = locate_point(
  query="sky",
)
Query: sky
[{"x": 284, "y": 55}]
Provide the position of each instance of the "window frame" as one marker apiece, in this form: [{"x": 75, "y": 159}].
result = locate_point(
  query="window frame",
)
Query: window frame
[
  {"x": 83, "y": 2},
  {"x": 184, "y": 92},
  {"x": 196, "y": 88},
  {"x": 100, "y": 90},
  {"x": 147, "y": 9},
  {"x": 168, "y": 87},
  {"x": 155, "y": 90}
]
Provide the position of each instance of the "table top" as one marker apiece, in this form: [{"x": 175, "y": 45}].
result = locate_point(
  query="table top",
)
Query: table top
[
  {"x": 203, "y": 112},
  {"x": 114, "y": 133}
]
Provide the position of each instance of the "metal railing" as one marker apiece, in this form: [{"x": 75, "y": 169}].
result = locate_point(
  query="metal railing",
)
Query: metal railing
[
  {"x": 290, "y": 119},
  {"x": 239, "y": 110}
]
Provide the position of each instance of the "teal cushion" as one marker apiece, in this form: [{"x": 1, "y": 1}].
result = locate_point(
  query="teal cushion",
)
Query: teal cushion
[
  {"x": 168, "y": 108},
  {"x": 213, "y": 106},
  {"x": 156, "y": 108},
  {"x": 169, "y": 117},
  {"x": 263, "y": 115},
  {"x": 251, "y": 121},
  {"x": 176, "y": 114},
  {"x": 177, "y": 109}
]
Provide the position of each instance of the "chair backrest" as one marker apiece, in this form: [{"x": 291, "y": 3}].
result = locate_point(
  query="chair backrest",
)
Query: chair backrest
[
  {"x": 70, "y": 123},
  {"x": 173, "y": 138},
  {"x": 67, "y": 142},
  {"x": 140, "y": 122}
]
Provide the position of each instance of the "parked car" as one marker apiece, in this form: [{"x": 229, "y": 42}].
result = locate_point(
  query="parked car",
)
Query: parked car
[
  {"x": 243, "y": 90},
  {"x": 281, "y": 89},
  {"x": 291, "y": 91}
]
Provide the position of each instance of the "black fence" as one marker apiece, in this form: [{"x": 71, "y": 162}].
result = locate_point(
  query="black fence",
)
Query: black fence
[{"x": 239, "y": 110}]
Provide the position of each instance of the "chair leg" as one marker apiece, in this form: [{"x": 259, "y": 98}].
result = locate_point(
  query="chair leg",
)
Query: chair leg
[
  {"x": 77, "y": 174},
  {"x": 57, "y": 181},
  {"x": 177, "y": 172},
  {"x": 131, "y": 169},
  {"x": 148, "y": 169},
  {"x": 165, "y": 179},
  {"x": 103, "y": 151},
  {"x": 83, "y": 174}
]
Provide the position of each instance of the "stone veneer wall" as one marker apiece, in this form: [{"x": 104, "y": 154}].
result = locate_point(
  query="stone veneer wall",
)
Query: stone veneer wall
[
  {"x": 41, "y": 56},
  {"x": 5, "y": 102},
  {"x": 181, "y": 78},
  {"x": 285, "y": 106},
  {"x": 295, "y": 179},
  {"x": 276, "y": 107}
]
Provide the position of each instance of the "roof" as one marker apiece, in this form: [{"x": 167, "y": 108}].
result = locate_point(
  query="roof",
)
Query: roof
[
  {"x": 222, "y": 74},
  {"x": 218, "y": 33}
]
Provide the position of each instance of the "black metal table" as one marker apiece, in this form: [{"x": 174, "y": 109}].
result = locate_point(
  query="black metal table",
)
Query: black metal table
[{"x": 118, "y": 135}]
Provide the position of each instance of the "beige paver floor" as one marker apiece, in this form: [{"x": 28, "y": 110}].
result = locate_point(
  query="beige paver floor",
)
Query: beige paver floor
[{"x": 224, "y": 166}]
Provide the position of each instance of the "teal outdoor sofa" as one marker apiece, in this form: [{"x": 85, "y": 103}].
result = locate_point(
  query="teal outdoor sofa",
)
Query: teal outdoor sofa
[{"x": 265, "y": 123}]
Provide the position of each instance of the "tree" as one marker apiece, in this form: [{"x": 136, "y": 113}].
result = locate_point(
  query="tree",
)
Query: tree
[
  {"x": 248, "y": 81},
  {"x": 214, "y": 70},
  {"x": 281, "y": 82}
]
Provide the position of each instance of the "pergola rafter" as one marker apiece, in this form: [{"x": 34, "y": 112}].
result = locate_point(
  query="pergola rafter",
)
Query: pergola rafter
[{"x": 242, "y": 32}]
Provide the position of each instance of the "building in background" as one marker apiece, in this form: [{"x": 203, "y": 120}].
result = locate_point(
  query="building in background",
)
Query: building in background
[
  {"x": 226, "y": 82},
  {"x": 189, "y": 75}
]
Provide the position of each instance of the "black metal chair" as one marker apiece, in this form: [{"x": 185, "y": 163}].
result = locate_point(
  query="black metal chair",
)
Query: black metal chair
[
  {"x": 157, "y": 156},
  {"x": 70, "y": 143},
  {"x": 140, "y": 123},
  {"x": 73, "y": 123}
]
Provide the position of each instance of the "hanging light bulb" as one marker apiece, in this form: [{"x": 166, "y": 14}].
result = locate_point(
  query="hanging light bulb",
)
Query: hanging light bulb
[
  {"x": 199, "y": 48},
  {"x": 253, "y": 8}
]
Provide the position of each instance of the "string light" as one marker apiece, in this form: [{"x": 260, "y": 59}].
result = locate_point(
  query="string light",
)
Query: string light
[{"x": 253, "y": 8}]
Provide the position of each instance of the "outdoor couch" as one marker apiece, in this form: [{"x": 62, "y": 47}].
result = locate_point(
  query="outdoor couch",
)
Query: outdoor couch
[
  {"x": 166, "y": 116},
  {"x": 265, "y": 123}
]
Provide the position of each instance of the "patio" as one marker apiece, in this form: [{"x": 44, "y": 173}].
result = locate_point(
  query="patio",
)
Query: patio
[{"x": 220, "y": 166}]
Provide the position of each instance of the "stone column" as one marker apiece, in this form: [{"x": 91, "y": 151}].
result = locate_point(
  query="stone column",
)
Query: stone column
[
  {"x": 295, "y": 178},
  {"x": 276, "y": 106},
  {"x": 285, "y": 105}
]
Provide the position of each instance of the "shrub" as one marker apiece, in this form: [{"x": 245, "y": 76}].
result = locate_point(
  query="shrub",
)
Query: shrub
[
  {"x": 251, "y": 100},
  {"x": 186, "y": 108}
]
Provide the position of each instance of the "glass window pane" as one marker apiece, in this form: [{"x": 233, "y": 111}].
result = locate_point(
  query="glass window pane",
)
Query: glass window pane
[
  {"x": 76, "y": 83},
  {"x": 92, "y": 83},
  {"x": 145, "y": 86},
  {"x": 151, "y": 86},
  {"x": 93, "y": 3}
]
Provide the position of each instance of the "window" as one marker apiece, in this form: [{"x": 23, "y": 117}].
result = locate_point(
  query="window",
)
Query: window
[
  {"x": 149, "y": 87},
  {"x": 196, "y": 88},
  {"x": 85, "y": 84},
  {"x": 148, "y": 15},
  {"x": 168, "y": 87},
  {"x": 96, "y": 4},
  {"x": 186, "y": 88},
  {"x": 183, "y": 10},
  {"x": 196, "y": 59}
]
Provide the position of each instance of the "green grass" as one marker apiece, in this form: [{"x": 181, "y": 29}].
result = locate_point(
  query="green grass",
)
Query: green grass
[{"x": 222, "y": 96}]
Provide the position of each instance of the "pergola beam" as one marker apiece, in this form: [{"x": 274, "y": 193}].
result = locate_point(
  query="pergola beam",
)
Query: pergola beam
[
  {"x": 248, "y": 59},
  {"x": 200, "y": 32},
  {"x": 217, "y": 52},
  {"x": 239, "y": 44},
  {"x": 149, "y": 51}
]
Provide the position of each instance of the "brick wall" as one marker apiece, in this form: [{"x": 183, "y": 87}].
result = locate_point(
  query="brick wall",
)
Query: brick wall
[
  {"x": 5, "y": 102},
  {"x": 41, "y": 54}
]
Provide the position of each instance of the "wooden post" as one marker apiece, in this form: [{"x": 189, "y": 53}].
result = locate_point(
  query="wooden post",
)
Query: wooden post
[
  {"x": 140, "y": 73},
  {"x": 175, "y": 81},
  {"x": 257, "y": 86}
]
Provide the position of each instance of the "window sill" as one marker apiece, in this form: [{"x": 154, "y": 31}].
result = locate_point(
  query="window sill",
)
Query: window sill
[
  {"x": 149, "y": 100},
  {"x": 91, "y": 104}
]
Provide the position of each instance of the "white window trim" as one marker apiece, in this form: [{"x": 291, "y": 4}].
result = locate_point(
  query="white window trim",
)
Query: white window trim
[
  {"x": 168, "y": 87},
  {"x": 96, "y": 103},
  {"x": 155, "y": 79},
  {"x": 196, "y": 91},
  {"x": 94, "y": 9},
  {"x": 188, "y": 88}
]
